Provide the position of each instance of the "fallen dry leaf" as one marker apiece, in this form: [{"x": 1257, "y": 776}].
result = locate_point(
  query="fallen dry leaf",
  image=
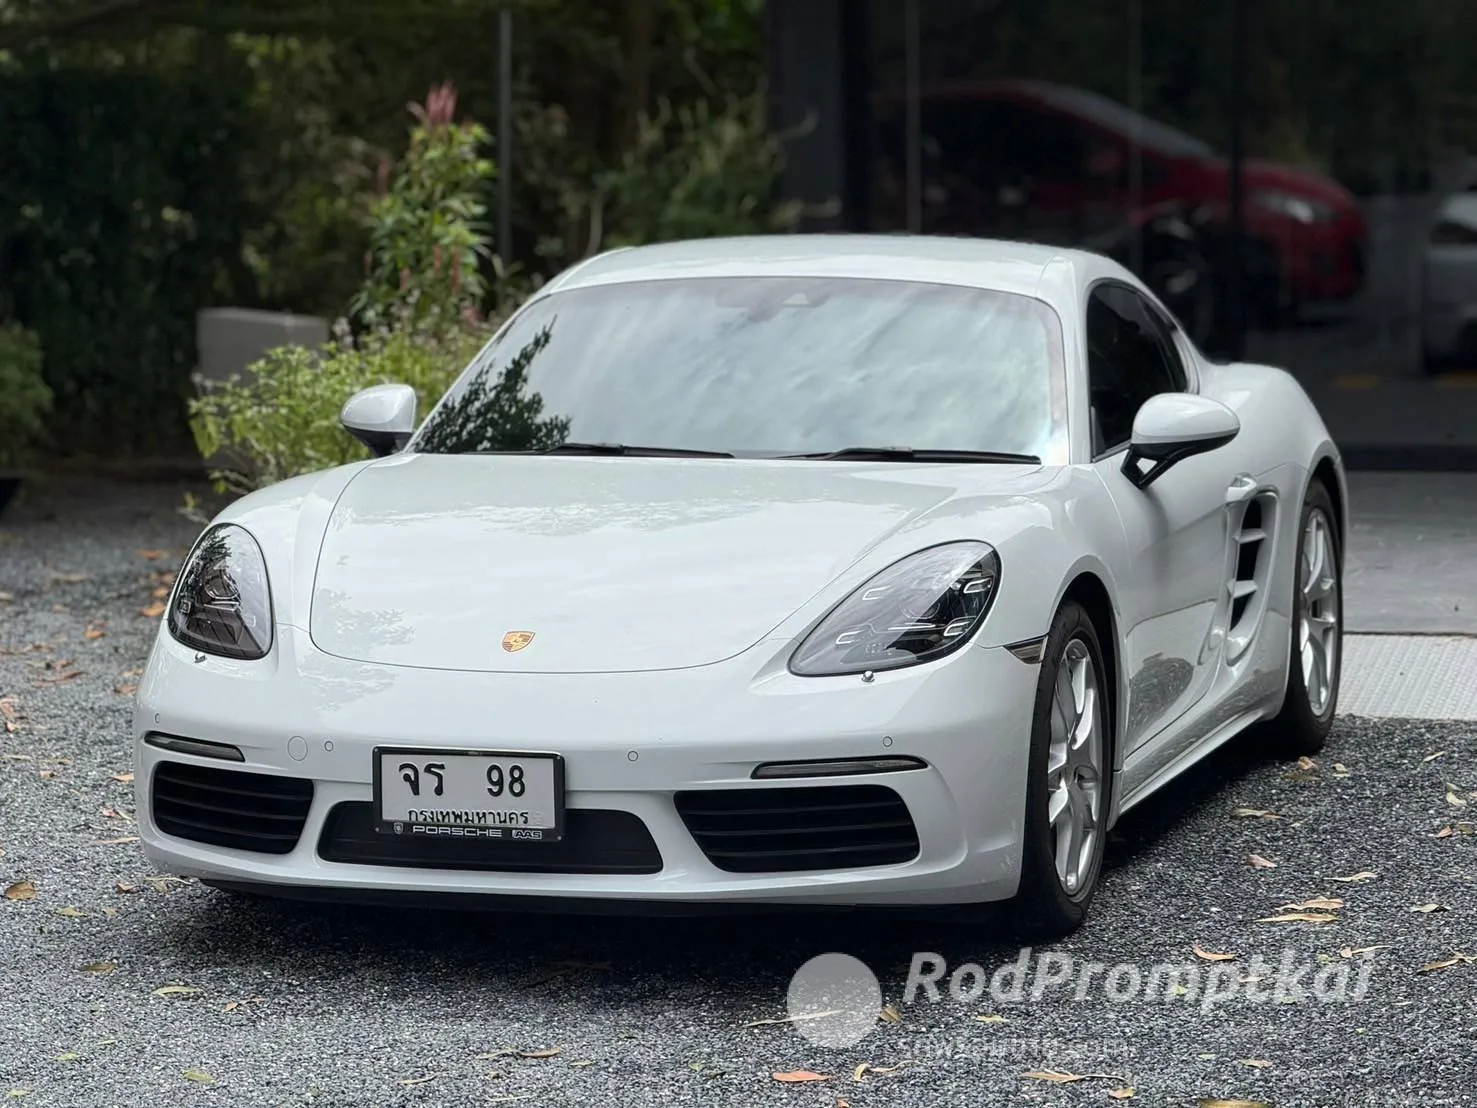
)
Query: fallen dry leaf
[
  {"x": 989, "y": 1019},
  {"x": 126, "y": 690},
  {"x": 1125, "y": 1093},
  {"x": 1211, "y": 956},
  {"x": 71, "y": 912},
  {"x": 797, "y": 1076},
  {"x": 100, "y": 967},
  {"x": 125, "y": 887},
  {"x": 1432, "y": 757},
  {"x": 1457, "y": 959},
  {"x": 582, "y": 1063},
  {"x": 117, "y": 842},
  {"x": 123, "y": 778},
  {"x": 152, "y": 611},
  {"x": 200, "y": 1077},
  {"x": 178, "y": 990},
  {"x": 1359, "y": 951},
  {"x": 803, "y": 1017},
  {"x": 1254, "y": 1063},
  {"x": 1300, "y": 917},
  {"x": 890, "y": 1014},
  {"x": 1362, "y": 875},
  {"x": 1427, "y": 909},
  {"x": 1058, "y": 1077},
  {"x": 1254, "y": 813},
  {"x": 548, "y": 1053},
  {"x": 1256, "y": 861},
  {"x": 1453, "y": 797},
  {"x": 67, "y": 676},
  {"x": 233, "y": 1005},
  {"x": 1340, "y": 770},
  {"x": 70, "y": 578},
  {"x": 21, "y": 890},
  {"x": 93, "y": 633},
  {"x": 860, "y": 1071},
  {"x": 1318, "y": 903},
  {"x": 1306, "y": 763}
]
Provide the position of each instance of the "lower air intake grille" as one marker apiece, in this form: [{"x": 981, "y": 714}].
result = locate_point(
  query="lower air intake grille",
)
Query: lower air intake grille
[
  {"x": 226, "y": 807},
  {"x": 778, "y": 830},
  {"x": 595, "y": 841}
]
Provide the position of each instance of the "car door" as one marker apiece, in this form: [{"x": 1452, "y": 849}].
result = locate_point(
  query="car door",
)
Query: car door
[{"x": 1173, "y": 572}]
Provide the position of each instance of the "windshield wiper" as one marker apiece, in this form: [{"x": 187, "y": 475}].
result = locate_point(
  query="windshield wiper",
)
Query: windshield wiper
[
  {"x": 910, "y": 454},
  {"x": 618, "y": 449}
]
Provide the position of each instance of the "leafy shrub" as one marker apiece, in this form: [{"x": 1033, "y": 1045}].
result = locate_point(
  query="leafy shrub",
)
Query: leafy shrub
[
  {"x": 120, "y": 209},
  {"x": 25, "y": 398},
  {"x": 706, "y": 168},
  {"x": 427, "y": 235},
  {"x": 282, "y": 418},
  {"x": 420, "y": 305}
]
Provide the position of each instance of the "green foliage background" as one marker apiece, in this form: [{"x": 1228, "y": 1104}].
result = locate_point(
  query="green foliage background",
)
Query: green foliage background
[{"x": 164, "y": 155}]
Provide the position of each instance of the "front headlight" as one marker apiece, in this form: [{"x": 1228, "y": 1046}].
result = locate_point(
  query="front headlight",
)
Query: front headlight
[
  {"x": 222, "y": 604},
  {"x": 1295, "y": 207},
  {"x": 915, "y": 610}
]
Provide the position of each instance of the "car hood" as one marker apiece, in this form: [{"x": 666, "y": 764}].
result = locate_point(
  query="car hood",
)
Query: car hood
[{"x": 609, "y": 564}]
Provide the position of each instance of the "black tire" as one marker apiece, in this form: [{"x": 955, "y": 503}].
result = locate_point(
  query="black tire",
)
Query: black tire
[
  {"x": 1043, "y": 908},
  {"x": 1298, "y": 730}
]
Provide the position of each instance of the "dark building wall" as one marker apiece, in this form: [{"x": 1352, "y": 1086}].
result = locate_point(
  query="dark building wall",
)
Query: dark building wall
[{"x": 1109, "y": 124}]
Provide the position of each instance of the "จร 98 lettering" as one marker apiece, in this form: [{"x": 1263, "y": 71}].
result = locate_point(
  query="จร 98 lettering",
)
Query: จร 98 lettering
[{"x": 499, "y": 782}]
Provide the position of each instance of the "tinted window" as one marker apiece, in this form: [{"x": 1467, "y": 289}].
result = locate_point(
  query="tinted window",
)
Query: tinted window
[
  {"x": 1130, "y": 358},
  {"x": 766, "y": 365}
]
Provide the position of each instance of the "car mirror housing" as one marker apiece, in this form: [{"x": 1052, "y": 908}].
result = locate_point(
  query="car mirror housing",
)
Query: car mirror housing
[
  {"x": 381, "y": 417},
  {"x": 1171, "y": 427}
]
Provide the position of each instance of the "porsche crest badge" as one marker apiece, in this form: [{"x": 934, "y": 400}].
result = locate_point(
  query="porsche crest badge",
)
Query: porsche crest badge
[{"x": 515, "y": 641}]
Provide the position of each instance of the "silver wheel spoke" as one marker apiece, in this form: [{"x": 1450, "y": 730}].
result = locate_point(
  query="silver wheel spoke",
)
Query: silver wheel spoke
[
  {"x": 1074, "y": 766},
  {"x": 1318, "y": 623}
]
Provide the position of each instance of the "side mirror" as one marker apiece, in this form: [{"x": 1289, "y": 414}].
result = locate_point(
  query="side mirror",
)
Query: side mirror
[
  {"x": 1171, "y": 427},
  {"x": 381, "y": 417}
]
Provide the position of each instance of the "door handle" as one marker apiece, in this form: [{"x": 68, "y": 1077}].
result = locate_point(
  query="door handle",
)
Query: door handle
[{"x": 1241, "y": 489}]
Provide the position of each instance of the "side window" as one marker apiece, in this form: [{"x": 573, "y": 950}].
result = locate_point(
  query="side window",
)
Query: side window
[{"x": 1130, "y": 357}]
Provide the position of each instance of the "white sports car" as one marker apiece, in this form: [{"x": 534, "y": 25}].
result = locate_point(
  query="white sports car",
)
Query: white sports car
[{"x": 833, "y": 570}]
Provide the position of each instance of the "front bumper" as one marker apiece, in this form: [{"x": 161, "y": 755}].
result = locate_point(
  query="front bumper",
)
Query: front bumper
[{"x": 630, "y": 742}]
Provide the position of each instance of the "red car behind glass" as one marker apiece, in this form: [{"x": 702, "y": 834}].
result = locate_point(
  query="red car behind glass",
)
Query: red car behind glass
[{"x": 1030, "y": 159}]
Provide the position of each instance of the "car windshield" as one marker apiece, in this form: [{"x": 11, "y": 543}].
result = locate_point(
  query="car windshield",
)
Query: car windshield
[{"x": 765, "y": 366}]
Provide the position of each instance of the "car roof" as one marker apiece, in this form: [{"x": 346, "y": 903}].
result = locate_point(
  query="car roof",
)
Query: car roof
[{"x": 1049, "y": 273}]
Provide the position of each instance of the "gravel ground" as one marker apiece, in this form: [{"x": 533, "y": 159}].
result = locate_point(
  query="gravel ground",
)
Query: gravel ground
[{"x": 289, "y": 1004}]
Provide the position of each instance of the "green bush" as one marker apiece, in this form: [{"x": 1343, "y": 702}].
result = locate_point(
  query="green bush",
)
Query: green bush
[
  {"x": 427, "y": 235},
  {"x": 282, "y": 418},
  {"x": 25, "y": 398},
  {"x": 707, "y": 168},
  {"x": 421, "y": 304},
  {"x": 120, "y": 212}
]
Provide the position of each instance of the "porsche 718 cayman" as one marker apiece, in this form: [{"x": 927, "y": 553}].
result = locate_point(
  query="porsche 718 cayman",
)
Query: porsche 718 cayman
[{"x": 835, "y": 570}]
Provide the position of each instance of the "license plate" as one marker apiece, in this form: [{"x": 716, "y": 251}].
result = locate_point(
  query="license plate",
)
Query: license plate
[{"x": 463, "y": 794}]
